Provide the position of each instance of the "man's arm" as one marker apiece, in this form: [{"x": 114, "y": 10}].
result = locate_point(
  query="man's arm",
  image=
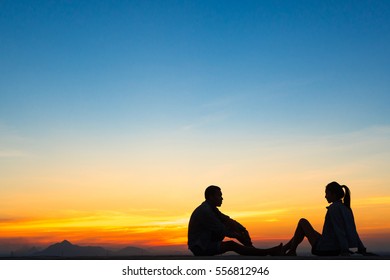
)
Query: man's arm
[
  {"x": 242, "y": 234},
  {"x": 236, "y": 230}
]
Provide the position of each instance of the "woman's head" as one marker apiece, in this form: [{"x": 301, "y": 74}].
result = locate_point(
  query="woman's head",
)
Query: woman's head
[{"x": 334, "y": 191}]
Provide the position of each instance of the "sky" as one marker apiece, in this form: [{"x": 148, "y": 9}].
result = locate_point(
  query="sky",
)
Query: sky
[{"x": 116, "y": 115}]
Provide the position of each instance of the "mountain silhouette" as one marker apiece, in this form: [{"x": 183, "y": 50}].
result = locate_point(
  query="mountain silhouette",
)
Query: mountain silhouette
[
  {"x": 67, "y": 249},
  {"x": 24, "y": 251},
  {"x": 131, "y": 251}
]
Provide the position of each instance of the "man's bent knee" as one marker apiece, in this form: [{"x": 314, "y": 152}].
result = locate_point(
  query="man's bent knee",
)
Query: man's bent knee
[{"x": 303, "y": 221}]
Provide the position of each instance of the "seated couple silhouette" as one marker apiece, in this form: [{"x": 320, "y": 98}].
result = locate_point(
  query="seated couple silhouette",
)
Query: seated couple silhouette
[{"x": 208, "y": 227}]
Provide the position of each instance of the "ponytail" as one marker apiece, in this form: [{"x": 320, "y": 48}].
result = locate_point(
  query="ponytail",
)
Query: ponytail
[
  {"x": 347, "y": 196},
  {"x": 341, "y": 192}
]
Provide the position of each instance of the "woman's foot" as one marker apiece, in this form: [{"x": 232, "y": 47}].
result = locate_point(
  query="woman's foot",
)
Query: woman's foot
[
  {"x": 285, "y": 249},
  {"x": 290, "y": 253}
]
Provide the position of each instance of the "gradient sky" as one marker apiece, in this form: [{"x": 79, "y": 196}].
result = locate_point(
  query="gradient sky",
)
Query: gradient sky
[{"x": 115, "y": 116}]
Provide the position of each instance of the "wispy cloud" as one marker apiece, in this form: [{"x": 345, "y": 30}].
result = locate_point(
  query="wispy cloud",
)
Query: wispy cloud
[
  {"x": 102, "y": 219},
  {"x": 213, "y": 112},
  {"x": 374, "y": 138},
  {"x": 11, "y": 153},
  {"x": 372, "y": 201},
  {"x": 10, "y": 143},
  {"x": 101, "y": 227},
  {"x": 213, "y": 118},
  {"x": 259, "y": 213}
]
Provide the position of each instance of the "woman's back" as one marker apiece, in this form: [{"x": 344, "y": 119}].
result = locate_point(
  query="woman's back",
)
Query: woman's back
[{"x": 339, "y": 231}]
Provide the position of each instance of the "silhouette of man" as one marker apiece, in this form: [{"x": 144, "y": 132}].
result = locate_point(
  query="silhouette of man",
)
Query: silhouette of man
[{"x": 208, "y": 227}]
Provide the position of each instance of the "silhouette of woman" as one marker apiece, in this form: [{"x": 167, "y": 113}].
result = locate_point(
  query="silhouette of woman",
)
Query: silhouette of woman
[{"x": 339, "y": 230}]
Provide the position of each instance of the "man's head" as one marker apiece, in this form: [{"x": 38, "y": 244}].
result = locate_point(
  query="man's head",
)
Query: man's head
[{"x": 213, "y": 195}]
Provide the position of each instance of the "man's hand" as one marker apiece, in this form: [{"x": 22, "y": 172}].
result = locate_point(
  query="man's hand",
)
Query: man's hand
[{"x": 240, "y": 233}]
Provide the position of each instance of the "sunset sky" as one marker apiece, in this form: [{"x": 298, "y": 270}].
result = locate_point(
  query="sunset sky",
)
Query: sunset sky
[{"x": 116, "y": 115}]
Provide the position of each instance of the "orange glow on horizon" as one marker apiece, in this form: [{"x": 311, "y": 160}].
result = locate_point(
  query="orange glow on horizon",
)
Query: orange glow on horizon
[{"x": 123, "y": 229}]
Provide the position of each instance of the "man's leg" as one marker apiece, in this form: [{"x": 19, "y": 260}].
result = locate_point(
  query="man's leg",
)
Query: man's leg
[{"x": 249, "y": 251}]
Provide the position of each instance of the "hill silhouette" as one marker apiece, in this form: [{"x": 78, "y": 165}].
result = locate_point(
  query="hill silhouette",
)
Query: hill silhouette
[
  {"x": 24, "y": 251},
  {"x": 131, "y": 251},
  {"x": 67, "y": 249}
]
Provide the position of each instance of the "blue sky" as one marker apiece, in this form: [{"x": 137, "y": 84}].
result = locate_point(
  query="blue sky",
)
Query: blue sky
[
  {"x": 102, "y": 76},
  {"x": 260, "y": 64},
  {"x": 79, "y": 78}
]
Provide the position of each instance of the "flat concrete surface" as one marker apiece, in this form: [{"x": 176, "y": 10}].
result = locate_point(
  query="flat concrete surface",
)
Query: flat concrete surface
[{"x": 190, "y": 257}]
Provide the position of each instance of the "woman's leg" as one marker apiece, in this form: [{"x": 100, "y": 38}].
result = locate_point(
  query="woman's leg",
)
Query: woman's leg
[
  {"x": 304, "y": 229},
  {"x": 250, "y": 251}
]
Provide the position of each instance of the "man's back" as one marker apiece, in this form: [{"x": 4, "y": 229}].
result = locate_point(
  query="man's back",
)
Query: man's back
[{"x": 205, "y": 227}]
